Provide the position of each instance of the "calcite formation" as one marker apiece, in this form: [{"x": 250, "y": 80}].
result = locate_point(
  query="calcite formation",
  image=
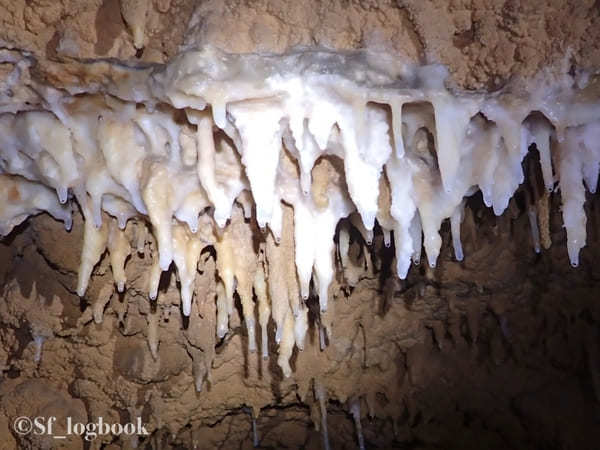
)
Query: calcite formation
[{"x": 271, "y": 159}]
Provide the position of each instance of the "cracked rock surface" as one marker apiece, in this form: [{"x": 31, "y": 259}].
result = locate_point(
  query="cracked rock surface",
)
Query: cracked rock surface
[{"x": 500, "y": 349}]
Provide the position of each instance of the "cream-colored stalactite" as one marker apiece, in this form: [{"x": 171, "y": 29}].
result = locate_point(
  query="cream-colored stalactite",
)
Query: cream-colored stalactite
[
  {"x": 384, "y": 203},
  {"x": 532, "y": 215},
  {"x": 301, "y": 326},
  {"x": 186, "y": 253},
  {"x": 277, "y": 285},
  {"x": 543, "y": 210},
  {"x": 94, "y": 245},
  {"x": 366, "y": 149},
  {"x": 109, "y": 171},
  {"x": 572, "y": 191},
  {"x": 286, "y": 345},
  {"x": 354, "y": 409},
  {"x": 154, "y": 278},
  {"x": 416, "y": 233},
  {"x": 325, "y": 249},
  {"x": 286, "y": 244},
  {"x": 159, "y": 132},
  {"x": 402, "y": 210},
  {"x": 222, "y": 311},
  {"x": 119, "y": 249},
  {"x": 245, "y": 201},
  {"x": 326, "y": 319},
  {"x": 540, "y": 132},
  {"x": 119, "y": 209},
  {"x": 259, "y": 126},
  {"x": 20, "y": 198},
  {"x": 344, "y": 244},
  {"x": 455, "y": 220},
  {"x": 226, "y": 266},
  {"x": 229, "y": 174},
  {"x": 48, "y": 144},
  {"x": 357, "y": 223},
  {"x": 511, "y": 149},
  {"x": 168, "y": 193},
  {"x": 485, "y": 144},
  {"x": 193, "y": 204},
  {"x": 245, "y": 266},
  {"x": 591, "y": 151},
  {"x": 314, "y": 230},
  {"x": 158, "y": 194},
  {"x": 396, "y": 109},
  {"x": 134, "y": 13},
  {"x": 321, "y": 397},
  {"x": 104, "y": 296},
  {"x": 387, "y": 237},
  {"x": 199, "y": 369},
  {"x": 452, "y": 116},
  {"x": 533, "y": 224},
  {"x": 141, "y": 232},
  {"x": 351, "y": 273},
  {"x": 431, "y": 197},
  {"x": 308, "y": 150},
  {"x": 206, "y": 166},
  {"x": 124, "y": 167},
  {"x": 264, "y": 309},
  {"x": 189, "y": 147}
]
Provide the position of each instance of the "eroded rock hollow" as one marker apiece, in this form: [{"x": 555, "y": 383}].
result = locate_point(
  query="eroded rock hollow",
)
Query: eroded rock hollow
[{"x": 299, "y": 224}]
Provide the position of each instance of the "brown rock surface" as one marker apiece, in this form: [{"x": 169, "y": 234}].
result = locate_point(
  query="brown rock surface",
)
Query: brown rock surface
[
  {"x": 489, "y": 350},
  {"x": 484, "y": 42}
]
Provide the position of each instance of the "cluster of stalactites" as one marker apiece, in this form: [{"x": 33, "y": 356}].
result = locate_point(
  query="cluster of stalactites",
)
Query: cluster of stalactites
[{"x": 299, "y": 142}]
